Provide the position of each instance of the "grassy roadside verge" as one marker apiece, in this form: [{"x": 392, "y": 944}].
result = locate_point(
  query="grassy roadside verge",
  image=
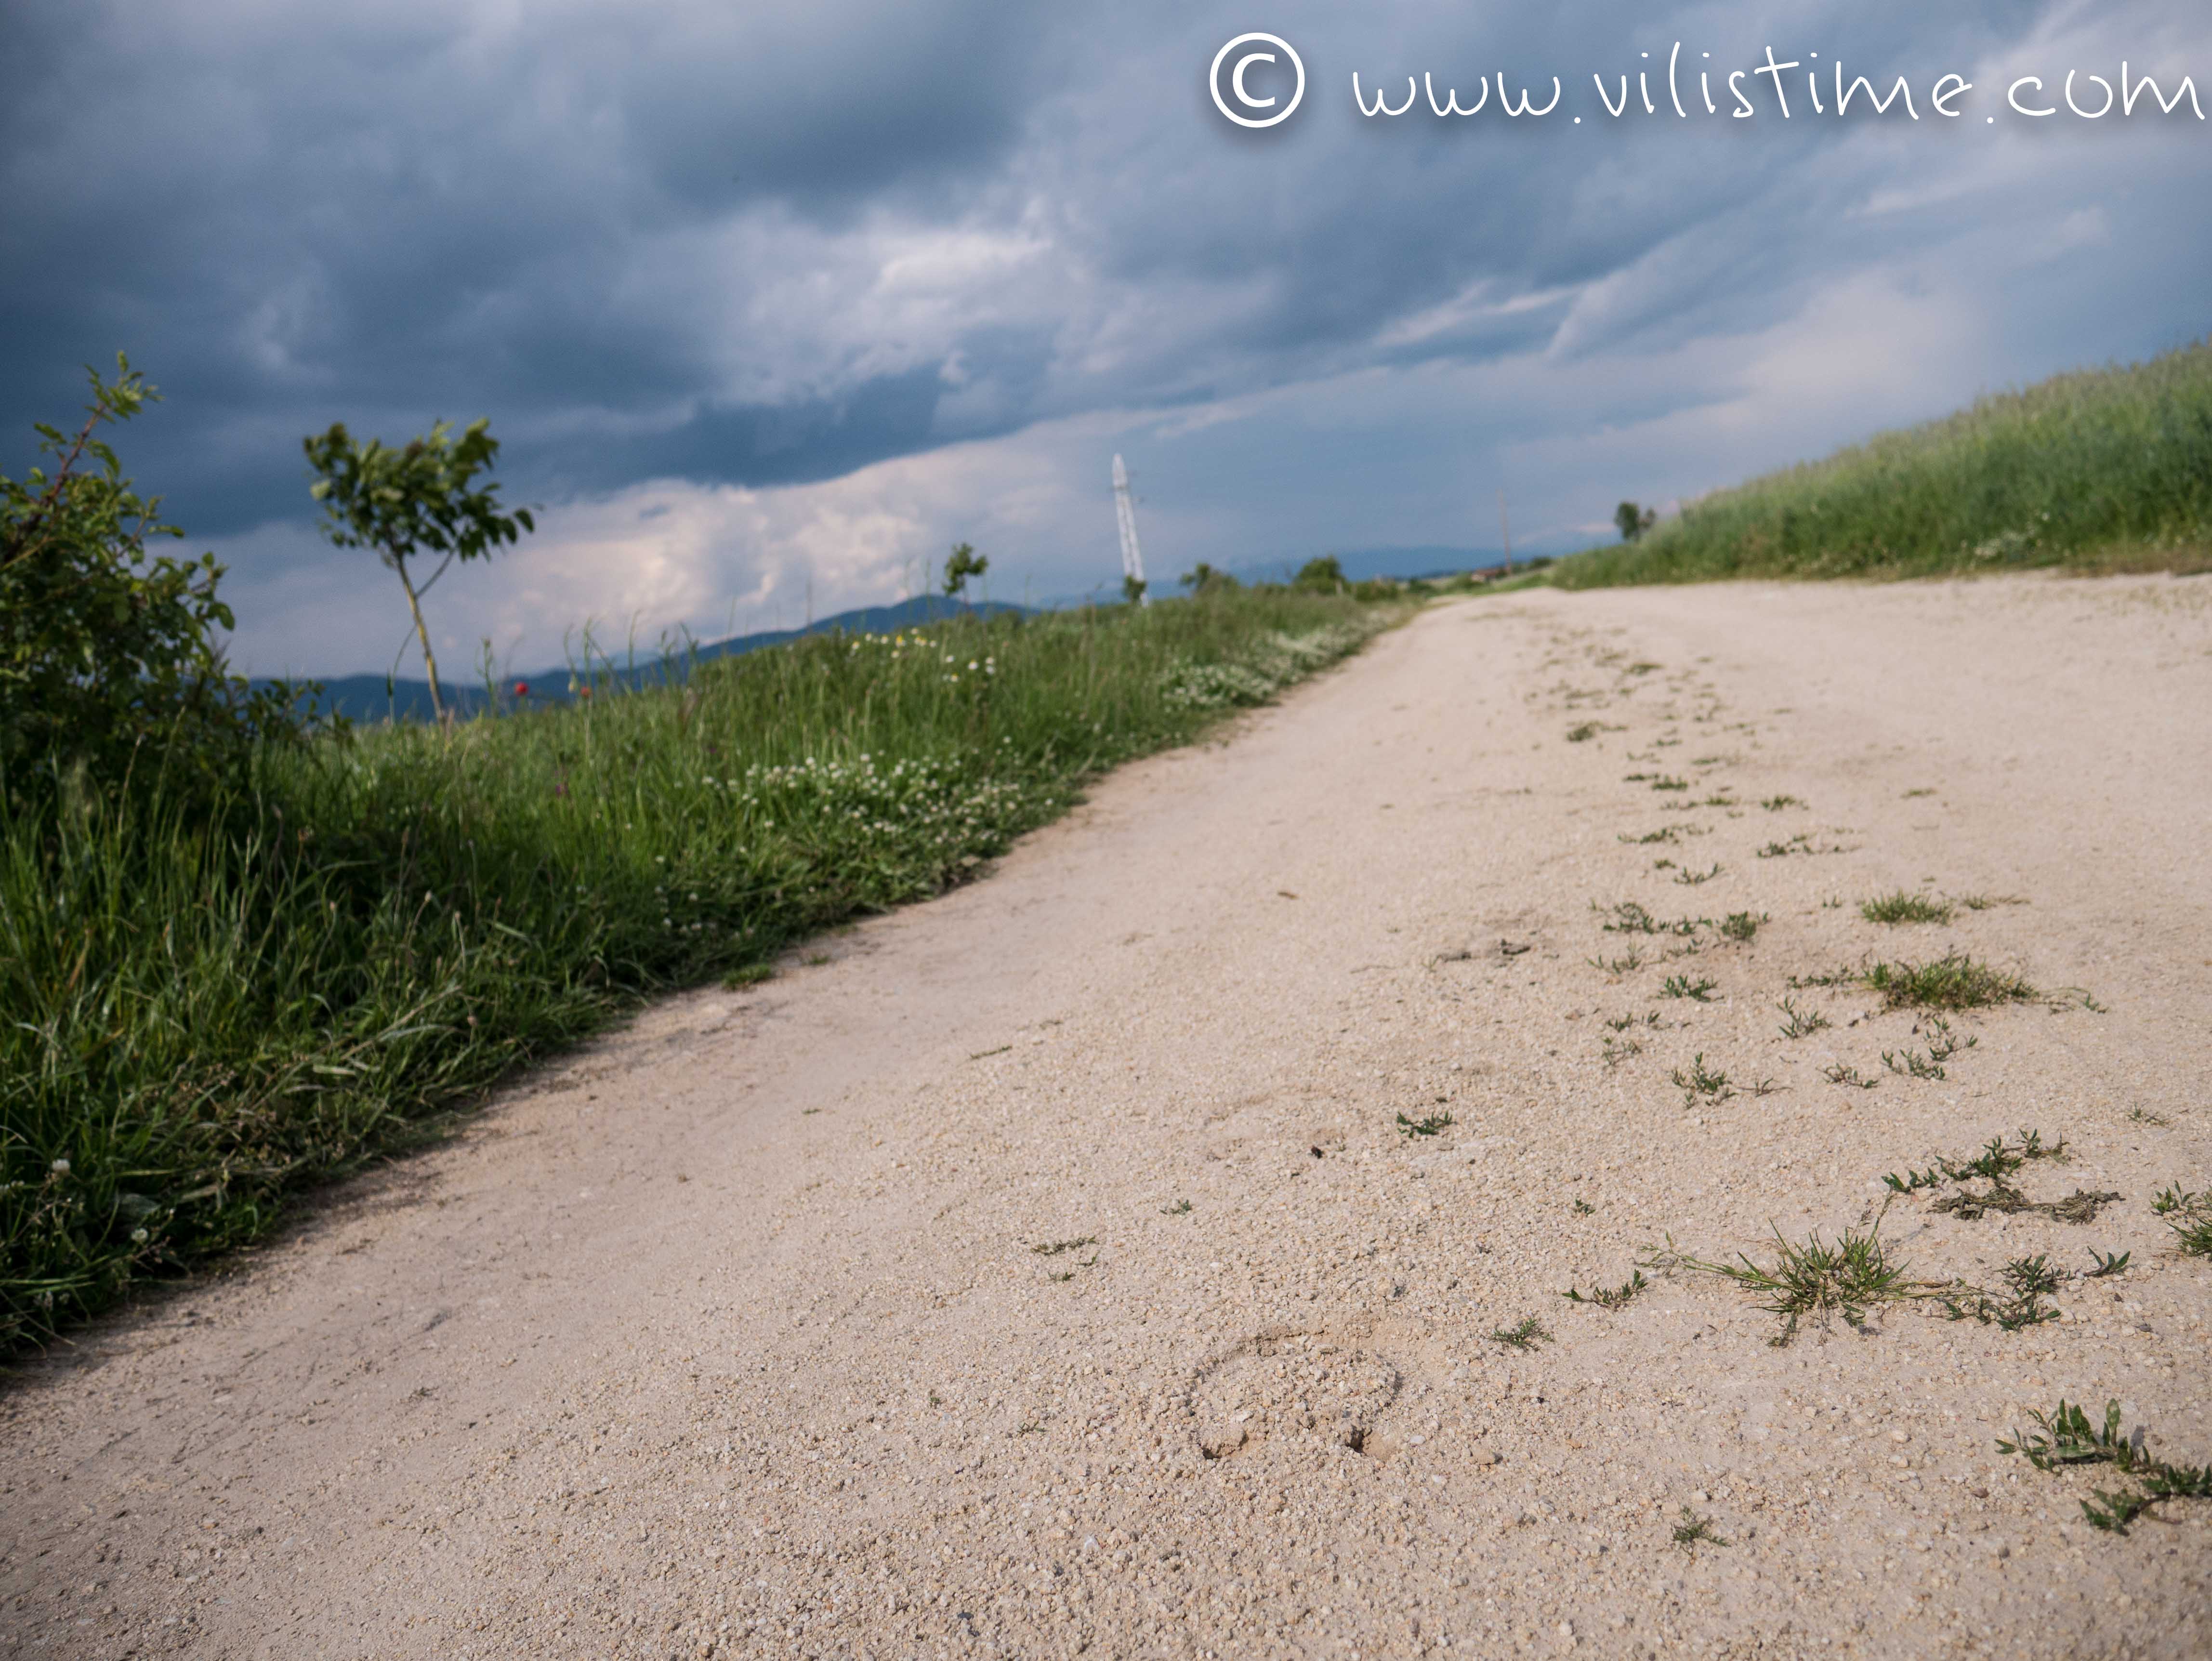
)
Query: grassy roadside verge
[
  {"x": 2103, "y": 470},
  {"x": 205, "y": 1014}
]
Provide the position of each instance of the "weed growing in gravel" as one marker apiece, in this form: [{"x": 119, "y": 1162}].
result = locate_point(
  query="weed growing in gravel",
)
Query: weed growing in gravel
[
  {"x": 1830, "y": 978},
  {"x": 1618, "y": 1050},
  {"x": 2106, "y": 1264},
  {"x": 1694, "y": 1530},
  {"x": 1629, "y": 918},
  {"x": 1776, "y": 804},
  {"x": 2144, "y": 1116},
  {"x": 1984, "y": 902},
  {"x": 1913, "y": 1181},
  {"x": 1622, "y": 1023},
  {"x": 1838, "y": 1072},
  {"x": 1701, "y": 1080},
  {"x": 2173, "y": 1198},
  {"x": 1741, "y": 926},
  {"x": 1524, "y": 1335},
  {"x": 1691, "y": 879},
  {"x": 1681, "y": 986},
  {"x": 1054, "y": 1248},
  {"x": 1942, "y": 1043},
  {"x": 1802, "y": 1022},
  {"x": 1180, "y": 1208},
  {"x": 1901, "y": 907},
  {"x": 1992, "y": 1165},
  {"x": 1665, "y": 833},
  {"x": 1627, "y": 963},
  {"x": 2067, "y": 1437},
  {"x": 1800, "y": 843},
  {"x": 1997, "y": 1160},
  {"x": 1664, "y": 783},
  {"x": 1429, "y": 1125},
  {"x": 2018, "y": 1303},
  {"x": 1953, "y": 980},
  {"x": 1583, "y": 734},
  {"x": 1584, "y": 1208},
  {"x": 751, "y": 974},
  {"x": 1912, "y": 1064},
  {"x": 1813, "y": 1281},
  {"x": 2190, "y": 1217},
  {"x": 1610, "y": 1297}
]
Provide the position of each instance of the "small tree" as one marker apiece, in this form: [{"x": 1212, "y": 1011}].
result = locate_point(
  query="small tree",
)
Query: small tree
[
  {"x": 965, "y": 562},
  {"x": 1633, "y": 520},
  {"x": 414, "y": 500},
  {"x": 1203, "y": 578},
  {"x": 1323, "y": 575}
]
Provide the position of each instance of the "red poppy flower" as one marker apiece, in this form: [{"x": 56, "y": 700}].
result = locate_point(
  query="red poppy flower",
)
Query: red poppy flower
[{"x": 522, "y": 689}]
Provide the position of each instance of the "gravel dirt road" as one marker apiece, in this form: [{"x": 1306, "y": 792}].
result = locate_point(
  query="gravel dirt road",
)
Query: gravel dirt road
[{"x": 1053, "y": 1269}]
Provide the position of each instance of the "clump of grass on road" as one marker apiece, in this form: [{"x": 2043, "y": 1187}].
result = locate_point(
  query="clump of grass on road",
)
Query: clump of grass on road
[
  {"x": 1953, "y": 980},
  {"x": 1902, "y": 906},
  {"x": 1813, "y": 1281},
  {"x": 209, "y": 1009}
]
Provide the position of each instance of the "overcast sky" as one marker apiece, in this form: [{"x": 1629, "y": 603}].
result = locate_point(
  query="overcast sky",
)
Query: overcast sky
[{"x": 770, "y": 295}]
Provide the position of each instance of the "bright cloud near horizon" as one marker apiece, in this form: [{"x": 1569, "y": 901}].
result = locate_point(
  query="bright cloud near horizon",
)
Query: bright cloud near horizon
[{"x": 770, "y": 305}]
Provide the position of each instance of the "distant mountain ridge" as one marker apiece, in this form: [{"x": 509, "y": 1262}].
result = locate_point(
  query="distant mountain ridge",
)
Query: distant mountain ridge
[{"x": 371, "y": 697}]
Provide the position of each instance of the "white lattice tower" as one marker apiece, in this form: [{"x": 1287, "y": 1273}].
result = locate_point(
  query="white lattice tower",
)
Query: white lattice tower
[{"x": 1125, "y": 515}]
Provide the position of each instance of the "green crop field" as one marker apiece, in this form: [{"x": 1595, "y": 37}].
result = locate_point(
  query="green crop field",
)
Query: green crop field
[
  {"x": 209, "y": 1008},
  {"x": 2100, "y": 469}
]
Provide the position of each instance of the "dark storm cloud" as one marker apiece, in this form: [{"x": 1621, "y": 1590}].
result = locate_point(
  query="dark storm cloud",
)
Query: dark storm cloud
[
  {"x": 379, "y": 218},
  {"x": 772, "y": 244}
]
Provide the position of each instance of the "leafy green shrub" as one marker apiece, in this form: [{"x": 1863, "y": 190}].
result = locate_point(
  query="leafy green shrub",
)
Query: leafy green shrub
[{"x": 108, "y": 667}]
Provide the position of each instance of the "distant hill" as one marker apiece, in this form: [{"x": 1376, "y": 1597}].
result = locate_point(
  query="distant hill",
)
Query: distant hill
[
  {"x": 2100, "y": 469},
  {"x": 371, "y": 697}
]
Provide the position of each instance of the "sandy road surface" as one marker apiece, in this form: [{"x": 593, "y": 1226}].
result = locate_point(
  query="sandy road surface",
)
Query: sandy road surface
[{"x": 981, "y": 1291}]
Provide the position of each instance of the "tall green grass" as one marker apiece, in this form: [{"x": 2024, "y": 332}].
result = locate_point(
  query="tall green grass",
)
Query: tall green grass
[
  {"x": 205, "y": 1012},
  {"x": 2108, "y": 468}
]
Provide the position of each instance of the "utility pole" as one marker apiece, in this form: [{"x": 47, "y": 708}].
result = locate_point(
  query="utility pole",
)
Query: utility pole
[
  {"x": 1505, "y": 530},
  {"x": 1132, "y": 557}
]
